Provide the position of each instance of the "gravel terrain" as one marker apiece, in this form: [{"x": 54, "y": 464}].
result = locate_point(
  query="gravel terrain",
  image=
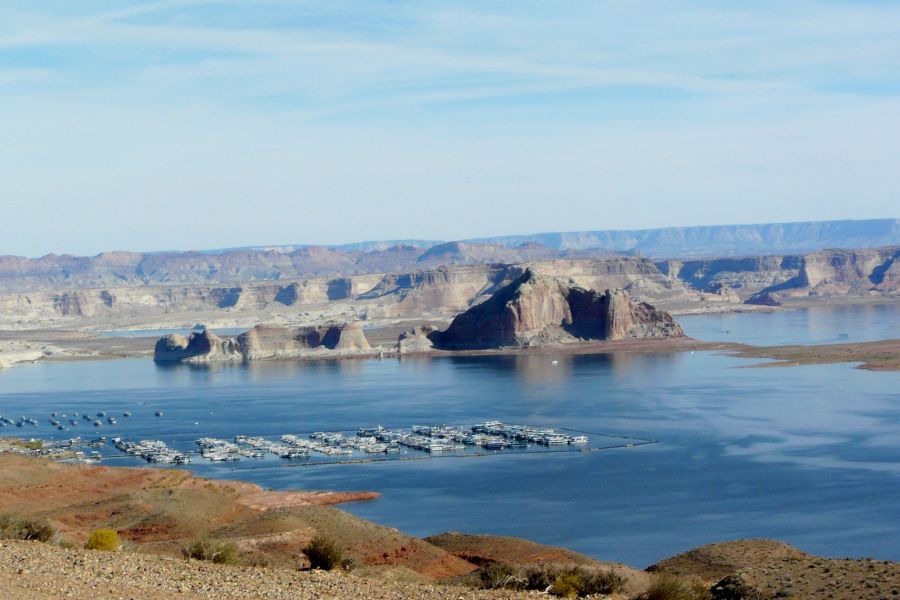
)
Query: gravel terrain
[
  {"x": 33, "y": 571},
  {"x": 776, "y": 570}
]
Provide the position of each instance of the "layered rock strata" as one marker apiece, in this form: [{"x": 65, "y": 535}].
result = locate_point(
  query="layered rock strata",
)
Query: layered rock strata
[
  {"x": 262, "y": 342},
  {"x": 537, "y": 310}
]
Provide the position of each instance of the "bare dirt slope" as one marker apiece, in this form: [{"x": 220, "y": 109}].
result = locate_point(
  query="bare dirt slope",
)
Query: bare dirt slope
[
  {"x": 771, "y": 569},
  {"x": 161, "y": 510},
  {"x": 517, "y": 552}
]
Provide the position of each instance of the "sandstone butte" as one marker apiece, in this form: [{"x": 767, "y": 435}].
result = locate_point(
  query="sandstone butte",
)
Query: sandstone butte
[
  {"x": 539, "y": 310},
  {"x": 533, "y": 310},
  {"x": 262, "y": 342}
]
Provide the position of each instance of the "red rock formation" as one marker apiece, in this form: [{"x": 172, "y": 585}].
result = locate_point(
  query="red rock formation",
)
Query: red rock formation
[{"x": 539, "y": 310}]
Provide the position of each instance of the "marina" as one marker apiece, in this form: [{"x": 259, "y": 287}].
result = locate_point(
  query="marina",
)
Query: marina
[
  {"x": 365, "y": 444},
  {"x": 719, "y": 427}
]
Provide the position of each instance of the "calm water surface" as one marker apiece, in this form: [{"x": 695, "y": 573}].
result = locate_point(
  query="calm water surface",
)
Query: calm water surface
[
  {"x": 813, "y": 325},
  {"x": 809, "y": 455}
]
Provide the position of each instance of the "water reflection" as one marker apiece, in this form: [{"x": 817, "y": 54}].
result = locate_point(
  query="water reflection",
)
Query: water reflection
[
  {"x": 542, "y": 369},
  {"x": 259, "y": 370}
]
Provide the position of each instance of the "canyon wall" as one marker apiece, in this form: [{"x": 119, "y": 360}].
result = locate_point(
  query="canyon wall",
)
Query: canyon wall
[
  {"x": 441, "y": 293},
  {"x": 842, "y": 273},
  {"x": 231, "y": 266}
]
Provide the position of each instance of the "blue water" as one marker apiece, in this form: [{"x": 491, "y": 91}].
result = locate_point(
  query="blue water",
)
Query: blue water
[
  {"x": 809, "y": 455},
  {"x": 813, "y": 325},
  {"x": 155, "y": 333}
]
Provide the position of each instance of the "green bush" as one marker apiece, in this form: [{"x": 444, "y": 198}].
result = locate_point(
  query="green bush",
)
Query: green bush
[
  {"x": 672, "y": 588},
  {"x": 566, "y": 586},
  {"x": 106, "y": 540},
  {"x": 323, "y": 554},
  {"x": 17, "y": 527},
  {"x": 220, "y": 552}
]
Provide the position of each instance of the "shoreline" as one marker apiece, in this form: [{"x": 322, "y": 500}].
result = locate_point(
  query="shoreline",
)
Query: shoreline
[
  {"x": 158, "y": 511},
  {"x": 22, "y": 346},
  {"x": 880, "y": 355}
]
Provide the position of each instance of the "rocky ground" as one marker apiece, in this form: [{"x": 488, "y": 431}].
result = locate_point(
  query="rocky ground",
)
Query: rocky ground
[
  {"x": 36, "y": 571},
  {"x": 767, "y": 569},
  {"x": 17, "y": 351}
]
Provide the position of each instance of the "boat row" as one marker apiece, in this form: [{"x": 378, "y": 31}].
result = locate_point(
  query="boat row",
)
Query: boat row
[
  {"x": 491, "y": 435},
  {"x": 431, "y": 439},
  {"x": 63, "y": 421},
  {"x": 20, "y": 422},
  {"x": 153, "y": 451},
  {"x": 525, "y": 433}
]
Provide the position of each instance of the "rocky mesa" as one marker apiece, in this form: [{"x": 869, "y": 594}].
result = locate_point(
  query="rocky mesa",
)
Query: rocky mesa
[
  {"x": 262, "y": 342},
  {"x": 536, "y": 310}
]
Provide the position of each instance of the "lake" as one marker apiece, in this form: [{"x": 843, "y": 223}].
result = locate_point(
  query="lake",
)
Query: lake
[{"x": 809, "y": 455}]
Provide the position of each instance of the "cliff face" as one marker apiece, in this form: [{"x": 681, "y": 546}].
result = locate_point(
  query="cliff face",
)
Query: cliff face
[
  {"x": 197, "y": 347},
  {"x": 751, "y": 273},
  {"x": 723, "y": 240},
  {"x": 261, "y": 342},
  {"x": 276, "y": 342},
  {"x": 439, "y": 294},
  {"x": 123, "y": 269},
  {"x": 844, "y": 273},
  {"x": 416, "y": 340},
  {"x": 539, "y": 310}
]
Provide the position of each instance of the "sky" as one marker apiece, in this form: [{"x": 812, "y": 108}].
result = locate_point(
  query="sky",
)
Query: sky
[{"x": 181, "y": 124}]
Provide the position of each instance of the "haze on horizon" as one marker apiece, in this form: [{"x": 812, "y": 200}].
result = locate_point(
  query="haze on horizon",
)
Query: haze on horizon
[{"x": 179, "y": 124}]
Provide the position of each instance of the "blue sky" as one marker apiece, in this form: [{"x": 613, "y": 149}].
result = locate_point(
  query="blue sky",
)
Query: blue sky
[{"x": 189, "y": 124}]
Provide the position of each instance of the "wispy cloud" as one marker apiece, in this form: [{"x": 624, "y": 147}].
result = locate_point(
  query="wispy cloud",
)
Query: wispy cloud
[
  {"x": 382, "y": 106},
  {"x": 685, "y": 51}
]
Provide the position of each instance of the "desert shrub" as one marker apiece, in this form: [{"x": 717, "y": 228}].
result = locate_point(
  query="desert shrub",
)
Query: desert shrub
[
  {"x": 541, "y": 577},
  {"x": 495, "y": 575},
  {"x": 701, "y": 591},
  {"x": 255, "y": 558},
  {"x": 28, "y": 444},
  {"x": 734, "y": 587},
  {"x": 323, "y": 554},
  {"x": 220, "y": 552},
  {"x": 672, "y": 588},
  {"x": 567, "y": 585},
  {"x": 572, "y": 581},
  {"x": 106, "y": 540},
  {"x": 17, "y": 527},
  {"x": 348, "y": 563},
  {"x": 597, "y": 581}
]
